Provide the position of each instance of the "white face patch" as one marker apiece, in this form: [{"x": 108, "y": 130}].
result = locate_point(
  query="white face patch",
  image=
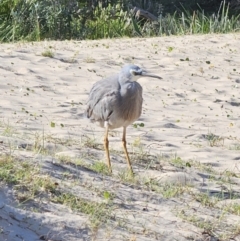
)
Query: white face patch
[{"x": 135, "y": 77}]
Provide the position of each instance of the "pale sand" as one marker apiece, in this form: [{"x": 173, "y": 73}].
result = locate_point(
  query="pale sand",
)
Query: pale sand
[{"x": 198, "y": 95}]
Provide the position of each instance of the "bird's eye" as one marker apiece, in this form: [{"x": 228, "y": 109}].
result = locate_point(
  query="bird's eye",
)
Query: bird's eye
[
  {"x": 136, "y": 72},
  {"x": 133, "y": 72}
]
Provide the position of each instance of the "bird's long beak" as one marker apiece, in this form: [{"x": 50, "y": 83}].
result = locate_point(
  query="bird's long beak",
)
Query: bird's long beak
[{"x": 145, "y": 74}]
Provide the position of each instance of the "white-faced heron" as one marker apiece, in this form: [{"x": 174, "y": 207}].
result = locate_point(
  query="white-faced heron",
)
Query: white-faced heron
[{"x": 117, "y": 102}]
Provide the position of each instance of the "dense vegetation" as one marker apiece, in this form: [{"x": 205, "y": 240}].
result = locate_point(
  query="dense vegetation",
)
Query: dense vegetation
[{"x": 76, "y": 19}]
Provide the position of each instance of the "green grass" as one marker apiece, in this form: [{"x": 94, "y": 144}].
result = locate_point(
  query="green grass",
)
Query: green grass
[
  {"x": 209, "y": 207},
  {"x": 97, "y": 166},
  {"x": 99, "y": 213},
  {"x": 29, "y": 183},
  {"x": 100, "y": 167},
  {"x": 37, "y": 20},
  {"x": 26, "y": 177},
  {"x": 214, "y": 140},
  {"x": 167, "y": 190},
  {"x": 213, "y": 226},
  {"x": 106, "y": 25}
]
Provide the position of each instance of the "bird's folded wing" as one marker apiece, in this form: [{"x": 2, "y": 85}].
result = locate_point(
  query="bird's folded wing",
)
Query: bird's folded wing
[{"x": 101, "y": 108}]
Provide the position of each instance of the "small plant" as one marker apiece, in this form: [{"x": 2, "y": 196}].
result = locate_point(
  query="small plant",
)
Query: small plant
[
  {"x": 89, "y": 60},
  {"x": 171, "y": 190},
  {"x": 127, "y": 176},
  {"x": 214, "y": 140},
  {"x": 65, "y": 159},
  {"x": 108, "y": 196},
  {"x": 205, "y": 199},
  {"x": 178, "y": 162},
  {"x": 8, "y": 129},
  {"x": 48, "y": 53},
  {"x": 136, "y": 125},
  {"x": 235, "y": 147},
  {"x": 139, "y": 154},
  {"x": 99, "y": 213},
  {"x": 152, "y": 184},
  {"x": 168, "y": 190},
  {"x": 27, "y": 178},
  {"x": 72, "y": 59},
  {"x": 90, "y": 142},
  {"x": 100, "y": 167},
  {"x": 215, "y": 226},
  {"x": 234, "y": 208},
  {"x": 202, "y": 166}
]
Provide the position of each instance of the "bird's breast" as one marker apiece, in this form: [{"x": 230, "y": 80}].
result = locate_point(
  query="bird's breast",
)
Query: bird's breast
[{"x": 129, "y": 104}]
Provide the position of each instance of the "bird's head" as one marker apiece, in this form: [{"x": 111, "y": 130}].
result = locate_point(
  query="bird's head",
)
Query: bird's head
[{"x": 132, "y": 72}]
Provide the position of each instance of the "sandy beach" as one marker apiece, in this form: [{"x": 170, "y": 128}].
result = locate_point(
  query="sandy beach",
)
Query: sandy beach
[{"x": 185, "y": 148}]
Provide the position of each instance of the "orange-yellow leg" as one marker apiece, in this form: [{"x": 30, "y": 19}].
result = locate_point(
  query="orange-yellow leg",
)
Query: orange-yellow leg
[
  {"x": 106, "y": 142},
  {"x": 125, "y": 149}
]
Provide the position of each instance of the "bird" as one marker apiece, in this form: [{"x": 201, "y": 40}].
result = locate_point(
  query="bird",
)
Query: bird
[{"x": 115, "y": 102}]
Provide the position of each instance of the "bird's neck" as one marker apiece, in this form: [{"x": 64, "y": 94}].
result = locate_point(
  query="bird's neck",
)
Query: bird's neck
[{"x": 129, "y": 89}]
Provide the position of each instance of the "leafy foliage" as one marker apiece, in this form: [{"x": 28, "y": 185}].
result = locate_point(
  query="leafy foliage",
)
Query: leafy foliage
[
  {"x": 108, "y": 22},
  {"x": 35, "y": 20}
]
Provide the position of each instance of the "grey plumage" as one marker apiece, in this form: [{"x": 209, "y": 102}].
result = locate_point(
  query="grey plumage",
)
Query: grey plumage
[{"x": 117, "y": 102}]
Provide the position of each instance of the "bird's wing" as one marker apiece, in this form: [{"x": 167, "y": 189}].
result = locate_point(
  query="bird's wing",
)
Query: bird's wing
[{"x": 102, "y": 99}]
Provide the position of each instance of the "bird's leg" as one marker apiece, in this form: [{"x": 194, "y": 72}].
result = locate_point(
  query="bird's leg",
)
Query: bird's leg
[
  {"x": 106, "y": 147},
  {"x": 125, "y": 149}
]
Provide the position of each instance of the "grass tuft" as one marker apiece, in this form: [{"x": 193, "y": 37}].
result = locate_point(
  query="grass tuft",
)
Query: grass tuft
[
  {"x": 48, "y": 53},
  {"x": 99, "y": 213}
]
